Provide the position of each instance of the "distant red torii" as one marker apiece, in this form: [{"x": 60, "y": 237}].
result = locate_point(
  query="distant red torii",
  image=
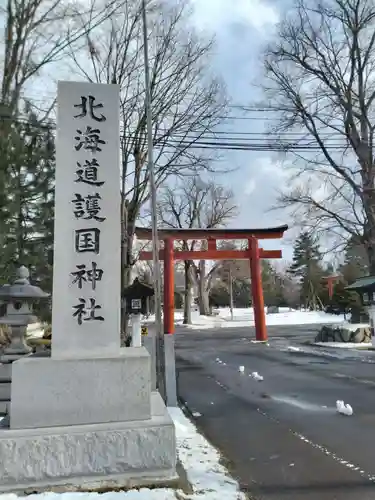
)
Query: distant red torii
[{"x": 253, "y": 253}]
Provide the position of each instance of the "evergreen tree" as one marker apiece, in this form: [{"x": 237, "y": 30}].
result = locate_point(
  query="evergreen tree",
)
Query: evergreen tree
[
  {"x": 272, "y": 285},
  {"x": 27, "y": 168},
  {"x": 345, "y": 299},
  {"x": 307, "y": 268},
  {"x": 356, "y": 263}
]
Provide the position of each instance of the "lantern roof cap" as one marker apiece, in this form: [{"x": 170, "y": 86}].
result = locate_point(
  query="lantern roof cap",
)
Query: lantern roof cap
[
  {"x": 138, "y": 289},
  {"x": 21, "y": 288}
]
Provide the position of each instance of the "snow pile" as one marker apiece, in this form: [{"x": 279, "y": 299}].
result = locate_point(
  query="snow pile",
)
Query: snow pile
[
  {"x": 209, "y": 479},
  {"x": 256, "y": 376},
  {"x": 344, "y": 409}
]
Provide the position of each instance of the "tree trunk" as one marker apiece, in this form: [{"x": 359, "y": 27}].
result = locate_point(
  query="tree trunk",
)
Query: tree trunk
[
  {"x": 370, "y": 250},
  {"x": 369, "y": 228},
  {"x": 187, "y": 294},
  {"x": 126, "y": 272},
  {"x": 204, "y": 308}
]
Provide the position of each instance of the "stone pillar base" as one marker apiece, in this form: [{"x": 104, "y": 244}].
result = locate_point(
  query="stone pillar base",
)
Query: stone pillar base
[
  {"x": 94, "y": 456},
  {"x": 48, "y": 392}
]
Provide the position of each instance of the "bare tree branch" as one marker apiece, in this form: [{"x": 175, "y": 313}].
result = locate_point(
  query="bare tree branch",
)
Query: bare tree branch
[
  {"x": 186, "y": 100},
  {"x": 196, "y": 204},
  {"x": 320, "y": 78},
  {"x": 38, "y": 33}
]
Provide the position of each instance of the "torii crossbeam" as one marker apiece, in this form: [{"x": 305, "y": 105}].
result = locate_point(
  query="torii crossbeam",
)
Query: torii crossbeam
[{"x": 253, "y": 253}]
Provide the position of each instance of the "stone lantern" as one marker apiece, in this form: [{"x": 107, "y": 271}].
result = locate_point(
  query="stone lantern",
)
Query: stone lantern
[{"x": 18, "y": 299}]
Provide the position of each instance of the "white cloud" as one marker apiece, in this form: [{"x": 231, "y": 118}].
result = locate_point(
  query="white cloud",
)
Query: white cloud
[
  {"x": 250, "y": 187},
  {"x": 272, "y": 168},
  {"x": 214, "y": 14}
]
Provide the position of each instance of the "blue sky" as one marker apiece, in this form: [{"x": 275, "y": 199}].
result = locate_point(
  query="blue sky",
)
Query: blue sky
[{"x": 241, "y": 29}]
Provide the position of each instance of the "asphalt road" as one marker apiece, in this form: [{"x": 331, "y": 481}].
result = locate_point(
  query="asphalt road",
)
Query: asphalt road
[{"x": 282, "y": 437}]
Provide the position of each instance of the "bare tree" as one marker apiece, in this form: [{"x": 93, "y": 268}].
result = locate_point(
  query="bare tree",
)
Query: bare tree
[
  {"x": 226, "y": 272},
  {"x": 190, "y": 204},
  {"x": 38, "y": 33},
  {"x": 186, "y": 100},
  {"x": 321, "y": 80}
]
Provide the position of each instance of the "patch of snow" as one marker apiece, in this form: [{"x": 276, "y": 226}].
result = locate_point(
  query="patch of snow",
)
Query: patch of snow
[
  {"x": 35, "y": 330},
  {"x": 201, "y": 461},
  {"x": 364, "y": 355},
  {"x": 343, "y": 345},
  {"x": 298, "y": 403},
  {"x": 344, "y": 409},
  {"x": 353, "y": 326},
  {"x": 293, "y": 349},
  {"x": 256, "y": 376}
]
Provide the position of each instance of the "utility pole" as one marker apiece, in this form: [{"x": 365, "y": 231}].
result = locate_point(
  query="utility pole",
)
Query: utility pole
[
  {"x": 230, "y": 291},
  {"x": 159, "y": 338}
]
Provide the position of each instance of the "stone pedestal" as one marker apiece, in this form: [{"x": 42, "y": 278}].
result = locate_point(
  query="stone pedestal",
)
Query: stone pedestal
[
  {"x": 86, "y": 423},
  {"x": 90, "y": 456},
  {"x": 48, "y": 392}
]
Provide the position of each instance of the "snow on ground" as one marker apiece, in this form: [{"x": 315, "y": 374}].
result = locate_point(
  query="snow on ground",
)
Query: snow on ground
[
  {"x": 344, "y": 345},
  {"x": 241, "y": 317},
  {"x": 245, "y": 317},
  {"x": 209, "y": 479}
]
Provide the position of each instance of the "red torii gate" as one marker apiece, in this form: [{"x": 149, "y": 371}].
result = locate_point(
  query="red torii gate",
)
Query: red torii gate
[{"x": 253, "y": 253}]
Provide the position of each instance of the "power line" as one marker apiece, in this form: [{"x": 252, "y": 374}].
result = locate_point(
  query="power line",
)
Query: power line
[
  {"x": 250, "y": 147},
  {"x": 193, "y": 135},
  {"x": 204, "y": 141}
]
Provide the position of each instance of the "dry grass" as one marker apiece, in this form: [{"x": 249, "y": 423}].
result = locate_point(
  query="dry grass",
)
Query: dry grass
[
  {"x": 5, "y": 336},
  {"x": 47, "y": 332}
]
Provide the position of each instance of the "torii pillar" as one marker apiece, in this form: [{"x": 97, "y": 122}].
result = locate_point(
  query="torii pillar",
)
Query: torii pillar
[{"x": 257, "y": 290}]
